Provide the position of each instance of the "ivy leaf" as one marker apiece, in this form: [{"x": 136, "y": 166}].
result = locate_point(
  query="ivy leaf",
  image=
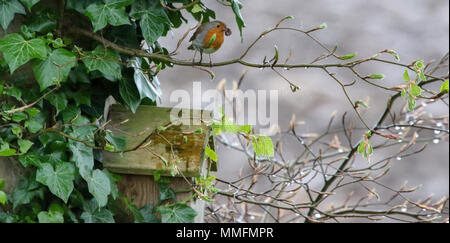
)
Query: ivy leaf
[
  {"x": 118, "y": 142},
  {"x": 178, "y": 213},
  {"x": 147, "y": 214},
  {"x": 112, "y": 12},
  {"x": 129, "y": 93},
  {"x": 148, "y": 88},
  {"x": 55, "y": 214},
  {"x": 70, "y": 113},
  {"x": 24, "y": 145},
  {"x": 106, "y": 63},
  {"x": 83, "y": 157},
  {"x": 31, "y": 158},
  {"x": 153, "y": 19},
  {"x": 444, "y": 87},
  {"x": 58, "y": 100},
  {"x": 82, "y": 97},
  {"x": 236, "y": 6},
  {"x": 29, "y": 3},
  {"x": 37, "y": 122},
  {"x": 55, "y": 69},
  {"x": 113, "y": 178},
  {"x": 165, "y": 192},
  {"x": 99, "y": 186},
  {"x": 263, "y": 146},
  {"x": 18, "y": 51},
  {"x": 59, "y": 179},
  {"x": 211, "y": 154},
  {"x": 93, "y": 214},
  {"x": 13, "y": 92},
  {"x": 26, "y": 189},
  {"x": 7, "y": 10}
]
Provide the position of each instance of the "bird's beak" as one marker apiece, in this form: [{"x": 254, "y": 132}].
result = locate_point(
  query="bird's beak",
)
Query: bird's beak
[{"x": 227, "y": 32}]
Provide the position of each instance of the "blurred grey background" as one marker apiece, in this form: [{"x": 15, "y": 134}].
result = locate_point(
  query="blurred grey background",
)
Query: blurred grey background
[{"x": 414, "y": 28}]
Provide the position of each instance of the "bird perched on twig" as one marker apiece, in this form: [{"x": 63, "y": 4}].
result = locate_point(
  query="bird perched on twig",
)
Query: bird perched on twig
[{"x": 208, "y": 38}]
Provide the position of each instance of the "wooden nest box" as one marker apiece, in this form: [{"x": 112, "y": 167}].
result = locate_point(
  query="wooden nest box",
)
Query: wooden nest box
[{"x": 153, "y": 143}]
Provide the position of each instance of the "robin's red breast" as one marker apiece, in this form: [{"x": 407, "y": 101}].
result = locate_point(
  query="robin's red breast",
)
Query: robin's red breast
[{"x": 208, "y": 38}]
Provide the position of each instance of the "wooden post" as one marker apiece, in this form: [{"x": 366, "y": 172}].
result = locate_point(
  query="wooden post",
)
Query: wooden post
[{"x": 137, "y": 167}]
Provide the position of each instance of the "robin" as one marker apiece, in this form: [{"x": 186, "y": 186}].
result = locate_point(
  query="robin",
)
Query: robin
[{"x": 208, "y": 38}]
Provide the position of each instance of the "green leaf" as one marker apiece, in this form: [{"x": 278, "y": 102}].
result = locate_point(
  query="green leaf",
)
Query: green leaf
[
  {"x": 263, "y": 146},
  {"x": 18, "y": 51},
  {"x": 82, "y": 97},
  {"x": 349, "y": 56},
  {"x": 362, "y": 146},
  {"x": 444, "y": 87},
  {"x": 2, "y": 184},
  {"x": 118, "y": 142},
  {"x": 93, "y": 214},
  {"x": 113, "y": 178},
  {"x": 32, "y": 112},
  {"x": 58, "y": 100},
  {"x": 369, "y": 148},
  {"x": 19, "y": 116},
  {"x": 178, "y": 213},
  {"x": 14, "y": 92},
  {"x": 147, "y": 214},
  {"x": 197, "y": 8},
  {"x": 148, "y": 87},
  {"x": 376, "y": 76},
  {"x": 83, "y": 157},
  {"x": 31, "y": 158},
  {"x": 112, "y": 12},
  {"x": 70, "y": 113},
  {"x": 395, "y": 54},
  {"x": 211, "y": 154},
  {"x": 55, "y": 69},
  {"x": 247, "y": 129},
  {"x": 415, "y": 90},
  {"x": 55, "y": 214},
  {"x": 7, "y": 152},
  {"x": 58, "y": 180},
  {"x": 2, "y": 197},
  {"x": 360, "y": 102},
  {"x": 129, "y": 93},
  {"x": 152, "y": 17},
  {"x": 24, "y": 145},
  {"x": 165, "y": 192},
  {"x": 99, "y": 186},
  {"x": 26, "y": 189},
  {"x": 323, "y": 26},
  {"x": 107, "y": 63},
  {"x": 37, "y": 122},
  {"x": 406, "y": 76},
  {"x": 236, "y": 7},
  {"x": 7, "y": 10},
  {"x": 29, "y": 3}
]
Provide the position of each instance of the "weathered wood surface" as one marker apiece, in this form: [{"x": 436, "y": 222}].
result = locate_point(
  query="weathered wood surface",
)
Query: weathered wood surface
[
  {"x": 138, "y": 131},
  {"x": 143, "y": 190},
  {"x": 137, "y": 167}
]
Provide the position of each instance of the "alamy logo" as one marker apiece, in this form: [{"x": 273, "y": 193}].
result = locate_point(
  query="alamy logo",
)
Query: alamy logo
[{"x": 258, "y": 108}]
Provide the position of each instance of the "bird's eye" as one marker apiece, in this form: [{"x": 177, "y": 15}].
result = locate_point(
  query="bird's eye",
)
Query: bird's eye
[{"x": 218, "y": 26}]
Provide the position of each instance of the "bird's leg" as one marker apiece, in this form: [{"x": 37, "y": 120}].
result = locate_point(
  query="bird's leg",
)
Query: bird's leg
[
  {"x": 193, "y": 60},
  {"x": 210, "y": 62},
  {"x": 201, "y": 57}
]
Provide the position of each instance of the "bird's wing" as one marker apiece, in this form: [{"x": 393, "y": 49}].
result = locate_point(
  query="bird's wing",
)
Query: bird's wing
[{"x": 197, "y": 32}]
